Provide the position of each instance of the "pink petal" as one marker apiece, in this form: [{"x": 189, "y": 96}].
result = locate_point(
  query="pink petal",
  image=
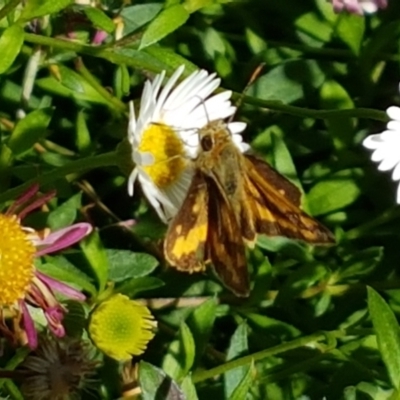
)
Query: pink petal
[
  {"x": 28, "y": 194},
  {"x": 54, "y": 316},
  {"x": 60, "y": 287},
  {"x": 99, "y": 37},
  {"x": 63, "y": 238},
  {"x": 29, "y": 326},
  {"x": 37, "y": 203}
]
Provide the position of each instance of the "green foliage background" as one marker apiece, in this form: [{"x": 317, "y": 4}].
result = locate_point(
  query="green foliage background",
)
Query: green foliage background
[{"x": 314, "y": 325}]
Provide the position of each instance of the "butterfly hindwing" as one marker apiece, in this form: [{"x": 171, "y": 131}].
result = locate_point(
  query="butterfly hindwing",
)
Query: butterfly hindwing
[{"x": 225, "y": 246}]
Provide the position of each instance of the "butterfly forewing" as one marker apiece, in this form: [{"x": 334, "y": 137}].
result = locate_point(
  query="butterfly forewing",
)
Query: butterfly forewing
[
  {"x": 184, "y": 245},
  {"x": 276, "y": 206}
]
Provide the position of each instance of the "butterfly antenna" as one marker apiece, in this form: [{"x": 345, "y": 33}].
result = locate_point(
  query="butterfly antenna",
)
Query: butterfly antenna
[{"x": 256, "y": 73}]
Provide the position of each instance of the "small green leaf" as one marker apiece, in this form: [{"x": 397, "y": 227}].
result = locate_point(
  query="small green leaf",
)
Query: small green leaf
[
  {"x": 65, "y": 214},
  {"x": 181, "y": 354},
  {"x": 387, "y": 334},
  {"x": 194, "y": 5},
  {"x": 69, "y": 84},
  {"x": 334, "y": 193},
  {"x": 287, "y": 81},
  {"x": 133, "y": 287},
  {"x": 168, "y": 21},
  {"x": 122, "y": 83},
  {"x": 350, "y": 28},
  {"x": 39, "y": 8},
  {"x": 188, "y": 349},
  {"x": 96, "y": 256},
  {"x": 238, "y": 347},
  {"x": 189, "y": 389},
  {"x": 157, "y": 385},
  {"x": 334, "y": 96},
  {"x": 125, "y": 264},
  {"x": 243, "y": 386},
  {"x": 82, "y": 139},
  {"x": 360, "y": 264},
  {"x": 99, "y": 19},
  {"x": 29, "y": 130},
  {"x": 64, "y": 271},
  {"x": 10, "y": 45},
  {"x": 200, "y": 322},
  {"x": 138, "y": 15}
]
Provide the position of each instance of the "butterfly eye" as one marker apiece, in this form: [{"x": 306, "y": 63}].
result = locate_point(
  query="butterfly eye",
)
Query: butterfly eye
[{"x": 207, "y": 143}]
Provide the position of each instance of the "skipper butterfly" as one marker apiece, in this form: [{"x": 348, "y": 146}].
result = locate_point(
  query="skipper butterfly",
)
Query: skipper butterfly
[{"x": 232, "y": 198}]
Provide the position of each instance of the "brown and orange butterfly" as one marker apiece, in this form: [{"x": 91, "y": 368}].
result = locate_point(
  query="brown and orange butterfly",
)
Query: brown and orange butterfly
[{"x": 232, "y": 198}]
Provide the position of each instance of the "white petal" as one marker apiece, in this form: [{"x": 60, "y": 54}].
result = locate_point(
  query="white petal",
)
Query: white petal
[
  {"x": 393, "y": 112},
  {"x": 394, "y": 126},
  {"x": 390, "y": 161},
  {"x": 372, "y": 142},
  {"x": 379, "y": 154},
  {"x": 132, "y": 122},
  {"x": 167, "y": 89},
  {"x": 131, "y": 181},
  {"x": 237, "y": 127},
  {"x": 398, "y": 195},
  {"x": 396, "y": 173}
]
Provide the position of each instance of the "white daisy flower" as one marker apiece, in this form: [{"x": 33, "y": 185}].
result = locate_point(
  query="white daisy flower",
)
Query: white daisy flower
[
  {"x": 359, "y": 6},
  {"x": 164, "y": 136},
  {"x": 386, "y": 146}
]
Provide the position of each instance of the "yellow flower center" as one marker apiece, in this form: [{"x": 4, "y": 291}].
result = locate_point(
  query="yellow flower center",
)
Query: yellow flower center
[
  {"x": 169, "y": 155},
  {"x": 16, "y": 260}
]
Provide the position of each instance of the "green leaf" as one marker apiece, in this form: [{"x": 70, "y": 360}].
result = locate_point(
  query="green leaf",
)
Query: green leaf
[
  {"x": 99, "y": 19},
  {"x": 138, "y": 15},
  {"x": 335, "y": 192},
  {"x": 157, "y": 385},
  {"x": 283, "y": 161},
  {"x": 287, "y": 81},
  {"x": 189, "y": 389},
  {"x": 168, "y": 21},
  {"x": 312, "y": 24},
  {"x": 243, "y": 387},
  {"x": 125, "y": 264},
  {"x": 361, "y": 263},
  {"x": 122, "y": 83},
  {"x": 200, "y": 322},
  {"x": 96, "y": 256},
  {"x": 350, "y": 28},
  {"x": 134, "y": 286},
  {"x": 82, "y": 139},
  {"x": 65, "y": 214},
  {"x": 238, "y": 347},
  {"x": 10, "y": 45},
  {"x": 29, "y": 130},
  {"x": 181, "y": 354},
  {"x": 334, "y": 96},
  {"x": 194, "y": 5},
  {"x": 62, "y": 270},
  {"x": 387, "y": 334},
  {"x": 39, "y": 8},
  {"x": 188, "y": 349},
  {"x": 69, "y": 84}
]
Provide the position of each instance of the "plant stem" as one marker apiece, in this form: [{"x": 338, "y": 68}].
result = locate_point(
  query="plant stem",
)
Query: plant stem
[
  {"x": 84, "y": 164},
  {"x": 275, "y": 105},
  {"x": 143, "y": 60},
  {"x": 294, "y": 344}
]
